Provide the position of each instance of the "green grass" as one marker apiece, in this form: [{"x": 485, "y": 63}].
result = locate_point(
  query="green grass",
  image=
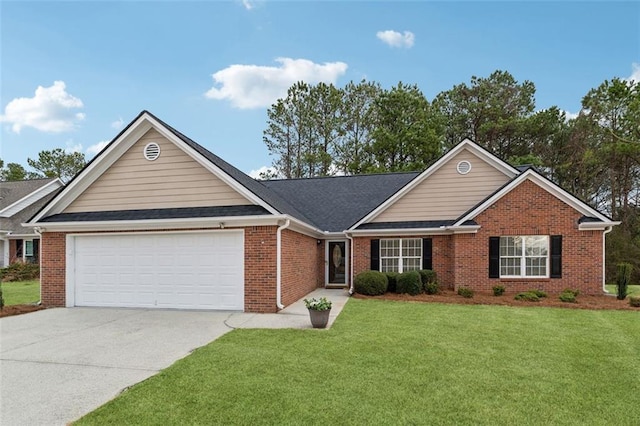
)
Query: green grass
[
  {"x": 633, "y": 290},
  {"x": 405, "y": 363},
  {"x": 21, "y": 292}
]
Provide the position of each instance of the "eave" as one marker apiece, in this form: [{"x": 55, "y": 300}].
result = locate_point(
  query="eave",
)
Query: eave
[{"x": 443, "y": 230}]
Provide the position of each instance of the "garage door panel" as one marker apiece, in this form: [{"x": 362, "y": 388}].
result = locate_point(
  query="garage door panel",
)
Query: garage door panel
[{"x": 181, "y": 270}]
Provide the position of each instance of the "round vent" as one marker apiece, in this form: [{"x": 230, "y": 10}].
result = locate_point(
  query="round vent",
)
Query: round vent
[
  {"x": 151, "y": 151},
  {"x": 463, "y": 167}
]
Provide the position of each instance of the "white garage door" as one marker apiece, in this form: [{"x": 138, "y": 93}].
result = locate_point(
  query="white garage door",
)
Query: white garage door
[{"x": 192, "y": 270}]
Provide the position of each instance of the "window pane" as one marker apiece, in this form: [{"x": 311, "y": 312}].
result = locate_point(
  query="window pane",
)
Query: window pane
[
  {"x": 389, "y": 265},
  {"x": 412, "y": 247},
  {"x": 411, "y": 264},
  {"x": 510, "y": 246},
  {"x": 536, "y": 266},
  {"x": 389, "y": 248},
  {"x": 510, "y": 266},
  {"x": 28, "y": 248},
  {"x": 536, "y": 246}
]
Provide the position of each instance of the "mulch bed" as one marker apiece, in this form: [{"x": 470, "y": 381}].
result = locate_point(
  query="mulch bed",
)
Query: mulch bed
[
  {"x": 8, "y": 311},
  {"x": 448, "y": 296}
]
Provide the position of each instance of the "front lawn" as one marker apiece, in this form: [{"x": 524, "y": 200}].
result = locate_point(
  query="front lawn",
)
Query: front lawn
[
  {"x": 633, "y": 290},
  {"x": 21, "y": 292},
  {"x": 405, "y": 363}
]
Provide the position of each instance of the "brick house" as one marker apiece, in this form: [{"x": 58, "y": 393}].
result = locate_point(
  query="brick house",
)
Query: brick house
[
  {"x": 19, "y": 200},
  {"x": 156, "y": 220}
]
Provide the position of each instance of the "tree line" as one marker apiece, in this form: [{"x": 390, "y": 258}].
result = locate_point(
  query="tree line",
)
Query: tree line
[
  {"x": 51, "y": 163},
  {"x": 324, "y": 130}
]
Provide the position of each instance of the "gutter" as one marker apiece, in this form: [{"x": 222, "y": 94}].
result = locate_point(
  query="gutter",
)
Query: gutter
[
  {"x": 279, "y": 263},
  {"x": 351, "y": 247},
  {"x": 604, "y": 269},
  {"x": 38, "y": 231}
]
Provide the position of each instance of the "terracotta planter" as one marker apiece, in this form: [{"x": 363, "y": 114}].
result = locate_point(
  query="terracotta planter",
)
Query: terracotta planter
[{"x": 319, "y": 319}]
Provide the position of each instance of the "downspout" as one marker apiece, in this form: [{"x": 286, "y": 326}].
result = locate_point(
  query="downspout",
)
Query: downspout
[
  {"x": 350, "y": 238},
  {"x": 604, "y": 269},
  {"x": 279, "y": 263},
  {"x": 38, "y": 231}
]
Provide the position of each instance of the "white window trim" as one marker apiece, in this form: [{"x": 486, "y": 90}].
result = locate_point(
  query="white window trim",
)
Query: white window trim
[
  {"x": 523, "y": 259},
  {"x": 400, "y": 257}
]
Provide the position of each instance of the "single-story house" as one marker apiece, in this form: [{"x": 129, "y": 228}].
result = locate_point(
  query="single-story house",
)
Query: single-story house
[
  {"x": 19, "y": 201},
  {"x": 156, "y": 220}
]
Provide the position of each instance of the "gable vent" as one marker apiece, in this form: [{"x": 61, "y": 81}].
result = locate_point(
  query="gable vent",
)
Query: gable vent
[
  {"x": 463, "y": 167},
  {"x": 151, "y": 151}
]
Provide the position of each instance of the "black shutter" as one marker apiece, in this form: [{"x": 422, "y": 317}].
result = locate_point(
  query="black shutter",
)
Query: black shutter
[
  {"x": 375, "y": 255},
  {"x": 556, "y": 256},
  {"x": 494, "y": 257},
  {"x": 427, "y": 253}
]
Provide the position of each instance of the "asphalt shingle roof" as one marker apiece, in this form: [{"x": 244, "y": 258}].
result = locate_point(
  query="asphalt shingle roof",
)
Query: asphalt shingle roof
[
  {"x": 10, "y": 192},
  {"x": 336, "y": 203},
  {"x": 13, "y": 223},
  {"x": 147, "y": 214}
]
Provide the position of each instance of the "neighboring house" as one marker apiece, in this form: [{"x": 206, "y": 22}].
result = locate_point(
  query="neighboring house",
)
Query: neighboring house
[
  {"x": 19, "y": 201},
  {"x": 156, "y": 220}
]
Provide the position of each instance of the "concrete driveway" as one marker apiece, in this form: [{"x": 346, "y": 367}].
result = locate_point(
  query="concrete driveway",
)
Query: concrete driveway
[{"x": 59, "y": 364}]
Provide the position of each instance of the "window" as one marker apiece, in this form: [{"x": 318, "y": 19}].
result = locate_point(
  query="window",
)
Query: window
[
  {"x": 400, "y": 255},
  {"x": 524, "y": 256},
  {"x": 28, "y": 248}
]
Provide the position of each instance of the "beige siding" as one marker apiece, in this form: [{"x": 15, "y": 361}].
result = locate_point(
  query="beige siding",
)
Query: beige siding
[
  {"x": 172, "y": 180},
  {"x": 446, "y": 194}
]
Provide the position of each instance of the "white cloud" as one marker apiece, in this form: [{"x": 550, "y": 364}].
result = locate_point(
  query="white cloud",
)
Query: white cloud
[
  {"x": 50, "y": 110},
  {"x": 397, "y": 39},
  {"x": 570, "y": 115},
  {"x": 247, "y": 4},
  {"x": 71, "y": 147},
  {"x": 264, "y": 169},
  {"x": 94, "y": 149},
  {"x": 635, "y": 74},
  {"x": 256, "y": 86},
  {"x": 118, "y": 123}
]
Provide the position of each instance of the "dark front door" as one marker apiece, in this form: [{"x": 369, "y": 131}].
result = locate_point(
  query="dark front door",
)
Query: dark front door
[{"x": 336, "y": 263}]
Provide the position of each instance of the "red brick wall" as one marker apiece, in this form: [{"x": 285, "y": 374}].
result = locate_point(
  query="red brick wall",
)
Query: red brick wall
[
  {"x": 259, "y": 268},
  {"x": 52, "y": 268},
  {"x": 441, "y": 251},
  {"x": 530, "y": 210},
  {"x": 302, "y": 265}
]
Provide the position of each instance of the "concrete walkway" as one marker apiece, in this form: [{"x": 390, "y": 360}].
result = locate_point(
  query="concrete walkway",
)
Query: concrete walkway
[
  {"x": 57, "y": 365},
  {"x": 295, "y": 315}
]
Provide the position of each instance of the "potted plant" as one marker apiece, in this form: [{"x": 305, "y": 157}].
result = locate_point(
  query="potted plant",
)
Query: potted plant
[{"x": 319, "y": 310}]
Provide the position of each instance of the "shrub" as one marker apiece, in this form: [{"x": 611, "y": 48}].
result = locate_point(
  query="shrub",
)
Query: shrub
[
  {"x": 429, "y": 281},
  {"x": 428, "y": 276},
  {"x": 432, "y": 287},
  {"x": 498, "y": 290},
  {"x": 634, "y": 301},
  {"x": 465, "y": 292},
  {"x": 392, "y": 279},
  {"x": 409, "y": 282},
  {"x": 20, "y": 271},
  {"x": 372, "y": 283},
  {"x": 527, "y": 296},
  {"x": 568, "y": 296},
  {"x": 575, "y": 292},
  {"x": 541, "y": 294},
  {"x": 623, "y": 277}
]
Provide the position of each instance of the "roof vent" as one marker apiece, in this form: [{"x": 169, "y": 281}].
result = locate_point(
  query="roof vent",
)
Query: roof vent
[
  {"x": 151, "y": 151},
  {"x": 463, "y": 167}
]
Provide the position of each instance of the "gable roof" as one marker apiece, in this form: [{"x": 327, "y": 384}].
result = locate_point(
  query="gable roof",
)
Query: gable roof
[
  {"x": 596, "y": 219},
  {"x": 468, "y": 144},
  {"x": 247, "y": 186},
  {"x": 11, "y": 192},
  {"x": 335, "y": 203}
]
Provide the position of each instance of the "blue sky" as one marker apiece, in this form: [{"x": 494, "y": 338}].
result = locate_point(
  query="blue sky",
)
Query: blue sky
[{"x": 73, "y": 74}]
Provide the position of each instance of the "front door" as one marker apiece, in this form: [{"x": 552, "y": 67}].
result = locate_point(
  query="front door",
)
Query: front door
[{"x": 336, "y": 264}]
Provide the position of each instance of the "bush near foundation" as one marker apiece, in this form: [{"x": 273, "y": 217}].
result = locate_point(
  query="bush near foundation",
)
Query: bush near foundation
[
  {"x": 392, "y": 279},
  {"x": 20, "y": 271},
  {"x": 371, "y": 283},
  {"x": 409, "y": 283}
]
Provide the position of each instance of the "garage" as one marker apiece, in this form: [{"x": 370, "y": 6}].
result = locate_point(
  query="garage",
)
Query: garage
[{"x": 181, "y": 270}]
